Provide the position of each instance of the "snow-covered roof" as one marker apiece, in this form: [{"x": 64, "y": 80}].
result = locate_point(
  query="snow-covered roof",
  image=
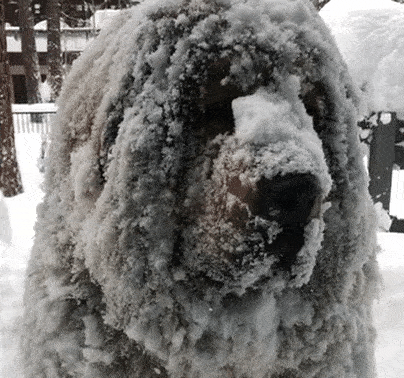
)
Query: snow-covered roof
[
  {"x": 103, "y": 17},
  {"x": 43, "y": 25},
  {"x": 72, "y": 39},
  {"x": 372, "y": 43},
  {"x": 99, "y": 20},
  {"x": 34, "y": 108}
]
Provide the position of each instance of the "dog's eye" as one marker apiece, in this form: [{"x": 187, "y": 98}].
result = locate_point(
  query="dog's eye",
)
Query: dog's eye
[
  {"x": 216, "y": 96},
  {"x": 217, "y": 118}
]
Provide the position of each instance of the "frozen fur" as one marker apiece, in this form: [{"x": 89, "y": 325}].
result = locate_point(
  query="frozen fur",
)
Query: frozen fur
[{"x": 206, "y": 211}]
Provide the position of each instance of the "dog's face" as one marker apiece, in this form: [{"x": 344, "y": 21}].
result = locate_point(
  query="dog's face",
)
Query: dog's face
[
  {"x": 210, "y": 190},
  {"x": 253, "y": 193}
]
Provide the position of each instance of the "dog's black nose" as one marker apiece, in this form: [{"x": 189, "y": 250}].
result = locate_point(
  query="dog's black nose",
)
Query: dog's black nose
[
  {"x": 287, "y": 199},
  {"x": 290, "y": 201}
]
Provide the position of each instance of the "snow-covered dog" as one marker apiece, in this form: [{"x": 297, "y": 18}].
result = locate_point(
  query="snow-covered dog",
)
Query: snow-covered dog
[{"x": 206, "y": 211}]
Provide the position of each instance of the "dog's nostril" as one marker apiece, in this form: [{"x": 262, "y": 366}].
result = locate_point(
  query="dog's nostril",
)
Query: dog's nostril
[{"x": 218, "y": 119}]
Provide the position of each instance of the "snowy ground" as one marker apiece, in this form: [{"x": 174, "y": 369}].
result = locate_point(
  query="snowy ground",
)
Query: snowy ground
[
  {"x": 389, "y": 308},
  {"x": 14, "y": 256}
]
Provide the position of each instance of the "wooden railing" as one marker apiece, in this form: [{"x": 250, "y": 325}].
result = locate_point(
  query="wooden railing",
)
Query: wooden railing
[{"x": 36, "y": 118}]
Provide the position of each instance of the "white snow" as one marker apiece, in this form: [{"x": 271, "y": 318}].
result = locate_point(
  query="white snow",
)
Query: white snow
[
  {"x": 341, "y": 7},
  {"x": 389, "y": 309},
  {"x": 34, "y": 108},
  {"x": 15, "y": 253},
  {"x": 264, "y": 118},
  {"x": 102, "y": 18},
  {"x": 371, "y": 39},
  {"x": 397, "y": 194},
  {"x": 99, "y": 20},
  {"x": 43, "y": 25}
]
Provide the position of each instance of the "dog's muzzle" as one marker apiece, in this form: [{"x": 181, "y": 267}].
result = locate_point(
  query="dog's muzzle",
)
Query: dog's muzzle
[{"x": 264, "y": 199}]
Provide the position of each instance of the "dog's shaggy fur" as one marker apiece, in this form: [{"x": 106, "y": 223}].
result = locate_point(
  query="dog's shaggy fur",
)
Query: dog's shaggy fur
[{"x": 206, "y": 211}]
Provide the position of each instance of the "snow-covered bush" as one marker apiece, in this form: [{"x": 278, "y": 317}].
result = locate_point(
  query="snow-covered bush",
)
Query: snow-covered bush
[
  {"x": 206, "y": 211},
  {"x": 372, "y": 44}
]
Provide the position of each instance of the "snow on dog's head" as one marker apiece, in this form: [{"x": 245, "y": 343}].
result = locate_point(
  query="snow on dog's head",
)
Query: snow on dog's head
[{"x": 206, "y": 211}]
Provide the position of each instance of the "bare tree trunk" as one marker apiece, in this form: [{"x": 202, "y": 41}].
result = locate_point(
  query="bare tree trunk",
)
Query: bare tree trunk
[
  {"x": 54, "y": 50},
  {"x": 10, "y": 178},
  {"x": 29, "y": 53}
]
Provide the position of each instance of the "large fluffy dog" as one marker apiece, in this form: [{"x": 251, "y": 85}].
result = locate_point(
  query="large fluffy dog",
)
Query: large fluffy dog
[{"x": 206, "y": 211}]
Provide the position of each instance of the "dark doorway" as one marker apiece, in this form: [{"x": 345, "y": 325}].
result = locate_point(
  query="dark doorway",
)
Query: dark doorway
[
  {"x": 386, "y": 150},
  {"x": 20, "y": 89}
]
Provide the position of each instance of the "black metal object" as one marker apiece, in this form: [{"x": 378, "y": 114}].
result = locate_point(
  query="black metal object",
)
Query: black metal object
[{"x": 384, "y": 154}]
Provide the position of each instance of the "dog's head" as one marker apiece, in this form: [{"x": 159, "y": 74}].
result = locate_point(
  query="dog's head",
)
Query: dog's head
[{"x": 209, "y": 184}]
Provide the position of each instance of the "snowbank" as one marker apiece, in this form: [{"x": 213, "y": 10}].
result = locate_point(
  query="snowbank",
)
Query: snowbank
[
  {"x": 372, "y": 43},
  {"x": 389, "y": 307},
  {"x": 14, "y": 254}
]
